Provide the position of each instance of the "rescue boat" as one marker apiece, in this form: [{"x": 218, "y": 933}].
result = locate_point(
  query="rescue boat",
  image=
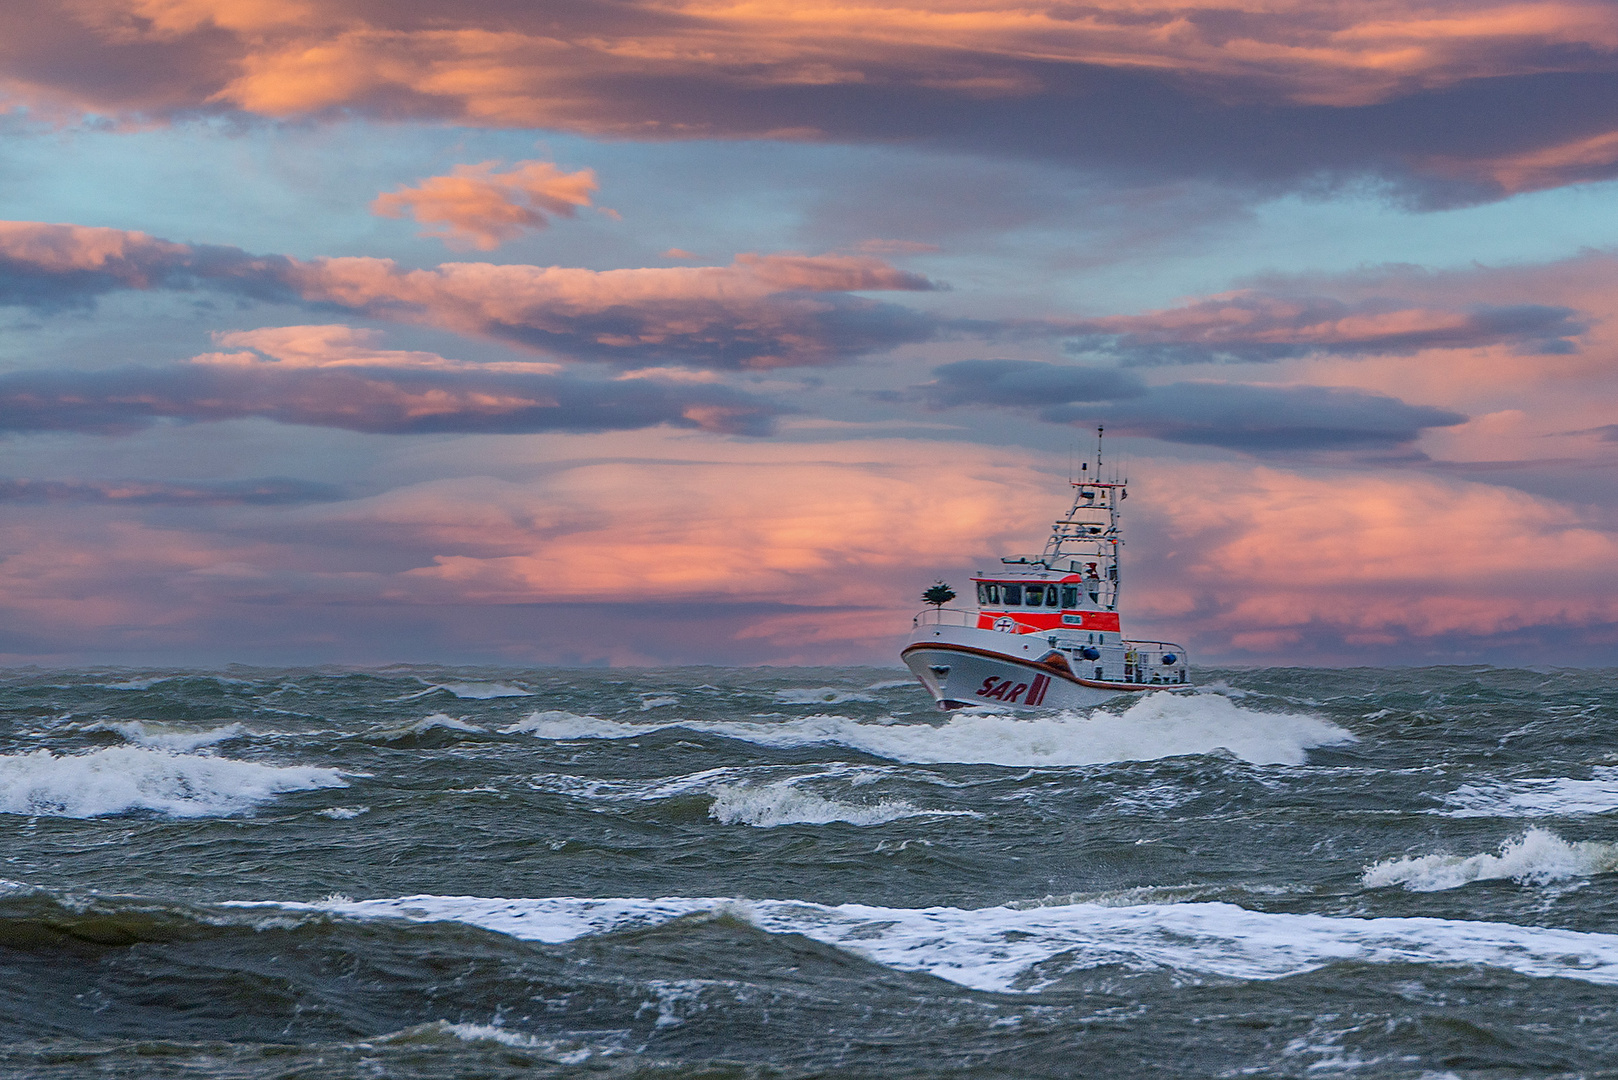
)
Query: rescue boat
[{"x": 1046, "y": 632}]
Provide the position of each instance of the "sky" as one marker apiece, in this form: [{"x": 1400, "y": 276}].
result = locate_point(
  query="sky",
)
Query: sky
[{"x": 642, "y": 332}]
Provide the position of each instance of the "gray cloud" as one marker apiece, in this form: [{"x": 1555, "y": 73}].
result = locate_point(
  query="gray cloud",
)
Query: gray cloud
[
  {"x": 1236, "y": 416},
  {"x": 1027, "y": 383},
  {"x": 1254, "y": 326},
  {"x": 761, "y": 311},
  {"x": 373, "y": 400},
  {"x": 267, "y": 491},
  {"x": 1241, "y": 416}
]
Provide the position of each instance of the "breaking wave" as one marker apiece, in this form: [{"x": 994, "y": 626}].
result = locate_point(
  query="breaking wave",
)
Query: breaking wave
[
  {"x": 121, "y": 779},
  {"x": 1549, "y": 797},
  {"x": 1538, "y": 857},
  {"x": 170, "y": 737},
  {"x": 820, "y": 695},
  {"x": 784, "y": 803},
  {"x": 741, "y": 798},
  {"x": 1021, "y": 949},
  {"x": 1158, "y": 726}
]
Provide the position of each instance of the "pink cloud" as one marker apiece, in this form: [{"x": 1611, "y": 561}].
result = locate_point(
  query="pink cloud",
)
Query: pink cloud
[
  {"x": 761, "y": 311},
  {"x": 477, "y": 207},
  {"x": 1281, "y": 557},
  {"x": 1196, "y": 88}
]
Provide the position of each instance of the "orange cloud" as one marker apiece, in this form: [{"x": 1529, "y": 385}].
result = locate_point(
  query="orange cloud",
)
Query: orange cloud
[
  {"x": 761, "y": 311},
  {"x": 1278, "y": 557},
  {"x": 1156, "y": 74},
  {"x": 1265, "y": 558},
  {"x": 477, "y": 207}
]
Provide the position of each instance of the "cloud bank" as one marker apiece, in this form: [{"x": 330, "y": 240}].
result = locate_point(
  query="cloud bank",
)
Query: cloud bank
[
  {"x": 368, "y": 399},
  {"x": 761, "y": 311},
  {"x": 1449, "y": 98},
  {"x": 1235, "y": 416}
]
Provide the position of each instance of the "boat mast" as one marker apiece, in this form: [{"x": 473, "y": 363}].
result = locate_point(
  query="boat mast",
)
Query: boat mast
[{"x": 1088, "y": 539}]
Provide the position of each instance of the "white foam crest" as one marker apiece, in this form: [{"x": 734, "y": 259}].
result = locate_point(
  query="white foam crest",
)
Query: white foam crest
[
  {"x": 1009, "y": 949},
  {"x": 561, "y": 725},
  {"x": 1548, "y": 797},
  {"x": 650, "y": 703},
  {"x": 741, "y": 799},
  {"x": 444, "y": 721},
  {"x": 483, "y": 691},
  {"x": 138, "y": 684},
  {"x": 343, "y": 813},
  {"x": 560, "y": 1052},
  {"x": 784, "y": 803},
  {"x": 170, "y": 737},
  {"x": 119, "y": 779},
  {"x": 819, "y": 695},
  {"x": 1159, "y": 725},
  {"x": 1538, "y": 857}
]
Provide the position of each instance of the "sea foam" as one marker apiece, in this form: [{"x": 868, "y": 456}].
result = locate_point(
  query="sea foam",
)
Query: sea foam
[
  {"x": 1009, "y": 949},
  {"x": 1538, "y": 857},
  {"x": 170, "y": 737},
  {"x": 1160, "y": 725},
  {"x": 120, "y": 779},
  {"x": 1546, "y": 797},
  {"x": 784, "y": 803}
]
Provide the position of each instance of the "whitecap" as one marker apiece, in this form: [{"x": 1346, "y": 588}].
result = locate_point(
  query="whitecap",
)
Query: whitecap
[
  {"x": 170, "y": 736},
  {"x": 785, "y": 803},
  {"x": 484, "y": 691},
  {"x": 343, "y": 813},
  {"x": 1538, "y": 857},
  {"x": 563, "y": 1053},
  {"x": 1157, "y": 726},
  {"x": 1012, "y": 949},
  {"x": 650, "y": 703},
  {"x": 120, "y": 779},
  {"x": 1546, "y": 797},
  {"x": 558, "y": 724},
  {"x": 443, "y": 721},
  {"x": 819, "y": 695}
]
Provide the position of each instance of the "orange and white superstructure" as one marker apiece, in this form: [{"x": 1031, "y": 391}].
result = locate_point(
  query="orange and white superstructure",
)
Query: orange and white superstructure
[{"x": 1045, "y": 633}]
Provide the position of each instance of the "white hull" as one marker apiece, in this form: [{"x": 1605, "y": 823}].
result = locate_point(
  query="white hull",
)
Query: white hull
[{"x": 962, "y": 665}]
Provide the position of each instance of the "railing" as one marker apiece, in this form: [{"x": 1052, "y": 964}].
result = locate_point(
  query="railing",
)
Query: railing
[
  {"x": 1148, "y": 667},
  {"x": 945, "y": 616}
]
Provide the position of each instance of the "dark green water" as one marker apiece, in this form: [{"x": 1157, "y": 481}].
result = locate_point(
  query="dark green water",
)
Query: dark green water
[{"x": 805, "y": 872}]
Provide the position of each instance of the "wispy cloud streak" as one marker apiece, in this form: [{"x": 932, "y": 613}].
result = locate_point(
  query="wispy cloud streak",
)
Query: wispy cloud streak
[{"x": 761, "y": 311}]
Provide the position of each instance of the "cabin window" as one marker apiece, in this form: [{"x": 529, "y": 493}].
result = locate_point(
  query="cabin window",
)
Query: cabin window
[
  {"x": 1051, "y": 596},
  {"x": 1034, "y": 595},
  {"x": 1013, "y": 595},
  {"x": 1070, "y": 596}
]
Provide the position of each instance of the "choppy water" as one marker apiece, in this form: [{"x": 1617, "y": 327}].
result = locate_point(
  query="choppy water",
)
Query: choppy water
[{"x": 795, "y": 872}]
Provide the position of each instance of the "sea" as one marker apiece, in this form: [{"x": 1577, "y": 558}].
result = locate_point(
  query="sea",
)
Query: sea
[{"x": 805, "y": 872}]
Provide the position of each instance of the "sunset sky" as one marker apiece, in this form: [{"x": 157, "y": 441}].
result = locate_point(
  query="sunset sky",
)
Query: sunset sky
[{"x": 677, "y": 331}]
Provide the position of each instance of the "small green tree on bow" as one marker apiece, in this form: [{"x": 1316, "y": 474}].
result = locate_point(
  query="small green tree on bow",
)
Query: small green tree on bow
[{"x": 939, "y": 594}]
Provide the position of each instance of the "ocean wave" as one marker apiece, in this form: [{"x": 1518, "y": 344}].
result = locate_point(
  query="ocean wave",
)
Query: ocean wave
[
  {"x": 756, "y": 795},
  {"x": 1546, "y": 797},
  {"x": 560, "y": 1051},
  {"x": 169, "y": 737},
  {"x": 1158, "y": 726},
  {"x": 560, "y": 725},
  {"x": 785, "y": 803},
  {"x": 121, "y": 779},
  {"x": 819, "y": 695},
  {"x": 1012, "y": 949},
  {"x": 1538, "y": 857}
]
